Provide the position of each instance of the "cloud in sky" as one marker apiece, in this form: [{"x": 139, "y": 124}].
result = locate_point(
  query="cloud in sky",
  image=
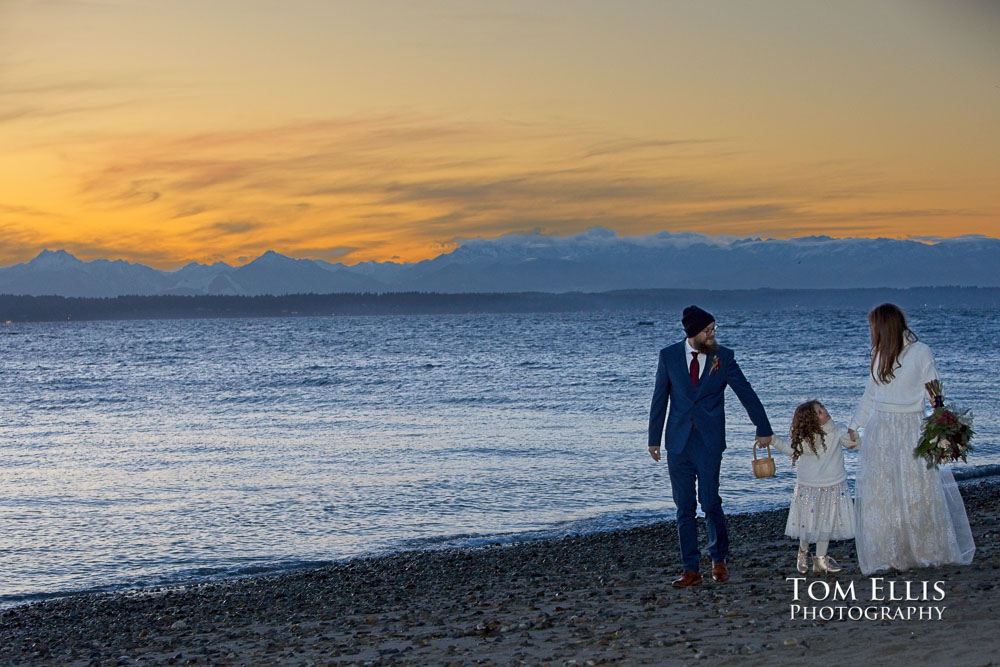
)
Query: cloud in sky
[
  {"x": 228, "y": 228},
  {"x": 393, "y": 129},
  {"x": 357, "y": 187}
]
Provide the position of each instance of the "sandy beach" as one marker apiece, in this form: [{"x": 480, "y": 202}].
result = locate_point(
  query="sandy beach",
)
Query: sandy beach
[{"x": 589, "y": 599}]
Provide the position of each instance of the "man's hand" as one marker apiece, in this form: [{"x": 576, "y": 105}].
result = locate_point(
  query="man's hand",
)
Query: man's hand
[
  {"x": 655, "y": 453},
  {"x": 762, "y": 441}
]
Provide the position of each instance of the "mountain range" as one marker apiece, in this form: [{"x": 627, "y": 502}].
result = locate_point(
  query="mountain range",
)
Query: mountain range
[{"x": 597, "y": 260}]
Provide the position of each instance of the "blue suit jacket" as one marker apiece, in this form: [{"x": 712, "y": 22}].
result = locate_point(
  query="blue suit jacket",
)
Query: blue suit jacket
[{"x": 704, "y": 405}]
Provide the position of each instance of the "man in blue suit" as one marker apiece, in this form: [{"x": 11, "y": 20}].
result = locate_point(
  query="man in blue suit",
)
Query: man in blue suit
[{"x": 693, "y": 375}]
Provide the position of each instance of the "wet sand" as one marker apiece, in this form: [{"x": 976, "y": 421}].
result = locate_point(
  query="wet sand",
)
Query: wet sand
[{"x": 589, "y": 599}]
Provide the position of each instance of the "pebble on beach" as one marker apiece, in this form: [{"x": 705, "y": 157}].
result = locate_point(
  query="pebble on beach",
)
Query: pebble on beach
[{"x": 593, "y": 599}]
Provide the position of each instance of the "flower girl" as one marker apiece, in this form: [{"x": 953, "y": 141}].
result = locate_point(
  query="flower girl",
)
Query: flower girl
[{"x": 821, "y": 508}]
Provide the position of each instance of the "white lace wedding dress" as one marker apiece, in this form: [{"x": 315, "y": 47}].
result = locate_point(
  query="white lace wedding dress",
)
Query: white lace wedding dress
[{"x": 907, "y": 515}]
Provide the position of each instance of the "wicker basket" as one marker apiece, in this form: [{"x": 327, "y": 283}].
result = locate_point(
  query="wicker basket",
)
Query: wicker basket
[{"x": 763, "y": 466}]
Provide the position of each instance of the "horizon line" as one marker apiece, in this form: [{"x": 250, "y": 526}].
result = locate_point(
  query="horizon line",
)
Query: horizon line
[{"x": 727, "y": 238}]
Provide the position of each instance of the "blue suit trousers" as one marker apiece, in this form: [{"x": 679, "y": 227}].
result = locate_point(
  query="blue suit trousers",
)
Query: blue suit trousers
[{"x": 695, "y": 463}]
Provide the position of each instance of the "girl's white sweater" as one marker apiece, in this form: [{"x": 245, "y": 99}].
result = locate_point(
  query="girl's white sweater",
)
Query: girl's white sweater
[{"x": 827, "y": 468}]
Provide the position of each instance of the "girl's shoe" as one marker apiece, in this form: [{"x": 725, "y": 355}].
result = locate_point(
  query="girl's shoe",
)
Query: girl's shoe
[
  {"x": 825, "y": 565},
  {"x": 802, "y": 562}
]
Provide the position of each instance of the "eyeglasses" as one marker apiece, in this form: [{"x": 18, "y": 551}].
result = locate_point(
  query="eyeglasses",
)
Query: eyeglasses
[{"x": 711, "y": 330}]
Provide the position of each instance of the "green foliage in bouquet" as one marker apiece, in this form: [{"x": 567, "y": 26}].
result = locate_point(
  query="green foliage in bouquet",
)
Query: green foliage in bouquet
[{"x": 947, "y": 432}]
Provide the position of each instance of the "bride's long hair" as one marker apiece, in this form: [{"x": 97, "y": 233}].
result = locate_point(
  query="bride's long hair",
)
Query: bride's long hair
[{"x": 889, "y": 329}]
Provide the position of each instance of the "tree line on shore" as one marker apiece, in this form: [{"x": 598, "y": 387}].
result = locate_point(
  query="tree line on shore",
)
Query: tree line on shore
[{"x": 18, "y": 308}]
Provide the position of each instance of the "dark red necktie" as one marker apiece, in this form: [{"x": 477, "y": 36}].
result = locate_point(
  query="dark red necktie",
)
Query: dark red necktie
[{"x": 695, "y": 369}]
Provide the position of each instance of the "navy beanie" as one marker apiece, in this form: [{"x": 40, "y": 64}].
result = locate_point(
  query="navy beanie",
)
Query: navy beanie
[{"x": 694, "y": 320}]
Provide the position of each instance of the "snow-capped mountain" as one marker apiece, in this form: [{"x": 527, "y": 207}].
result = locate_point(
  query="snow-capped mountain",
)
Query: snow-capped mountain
[
  {"x": 593, "y": 261},
  {"x": 600, "y": 260},
  {"x": 63, "y": 274}
]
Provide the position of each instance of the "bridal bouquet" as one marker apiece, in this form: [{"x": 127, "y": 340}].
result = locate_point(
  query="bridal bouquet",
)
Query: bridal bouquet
[{"x": 947, "y": 431}]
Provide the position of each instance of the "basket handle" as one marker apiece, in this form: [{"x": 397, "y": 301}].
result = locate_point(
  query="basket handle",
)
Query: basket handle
[{"x": 768, "y": 451}]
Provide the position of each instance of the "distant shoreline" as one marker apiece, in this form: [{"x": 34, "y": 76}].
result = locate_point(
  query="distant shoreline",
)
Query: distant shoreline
[{"x": 20, "y": 308}]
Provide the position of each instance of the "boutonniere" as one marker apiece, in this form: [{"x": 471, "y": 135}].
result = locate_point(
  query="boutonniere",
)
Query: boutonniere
[{"x": 715, "y": 365}]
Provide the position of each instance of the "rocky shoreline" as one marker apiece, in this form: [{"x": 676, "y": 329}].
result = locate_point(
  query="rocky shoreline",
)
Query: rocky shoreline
[{"x": 588, "y": 599}]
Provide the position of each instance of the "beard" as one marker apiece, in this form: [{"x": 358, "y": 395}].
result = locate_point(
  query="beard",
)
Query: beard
[{"x": 706, "y": 347}]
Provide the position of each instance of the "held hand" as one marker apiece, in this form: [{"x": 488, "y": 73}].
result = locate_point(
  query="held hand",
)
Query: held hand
[
  {"x": 854, "y": 439},
  {"x": 762, "y": 441},
  {"x": 655, "y": 453}
]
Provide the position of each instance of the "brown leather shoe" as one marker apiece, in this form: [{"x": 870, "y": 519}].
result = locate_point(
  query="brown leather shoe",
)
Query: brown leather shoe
[
  {"x": 720, "y": 573},
  {"x": 688, "y": 579}
]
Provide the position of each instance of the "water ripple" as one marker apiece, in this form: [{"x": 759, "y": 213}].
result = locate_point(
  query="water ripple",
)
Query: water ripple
[{"x": 161, "y": 452}]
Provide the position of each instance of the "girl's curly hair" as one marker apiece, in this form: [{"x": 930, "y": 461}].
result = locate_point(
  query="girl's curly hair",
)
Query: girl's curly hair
[{"x": 805, "y": 428}]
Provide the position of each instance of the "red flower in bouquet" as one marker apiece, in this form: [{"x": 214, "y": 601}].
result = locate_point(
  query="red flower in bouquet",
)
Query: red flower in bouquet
[{"x": 947, "y": 431}]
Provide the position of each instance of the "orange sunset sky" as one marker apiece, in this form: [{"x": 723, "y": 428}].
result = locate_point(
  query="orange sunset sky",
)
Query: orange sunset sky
[{"x": 178, "y": 130}]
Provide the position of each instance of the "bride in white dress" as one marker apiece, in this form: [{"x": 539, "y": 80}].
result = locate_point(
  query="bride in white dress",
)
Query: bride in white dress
[{"x": 907, "y": 515}]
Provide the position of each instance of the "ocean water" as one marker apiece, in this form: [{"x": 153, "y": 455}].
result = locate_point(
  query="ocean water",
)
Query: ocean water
[{"x": 153, "y": 453}]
